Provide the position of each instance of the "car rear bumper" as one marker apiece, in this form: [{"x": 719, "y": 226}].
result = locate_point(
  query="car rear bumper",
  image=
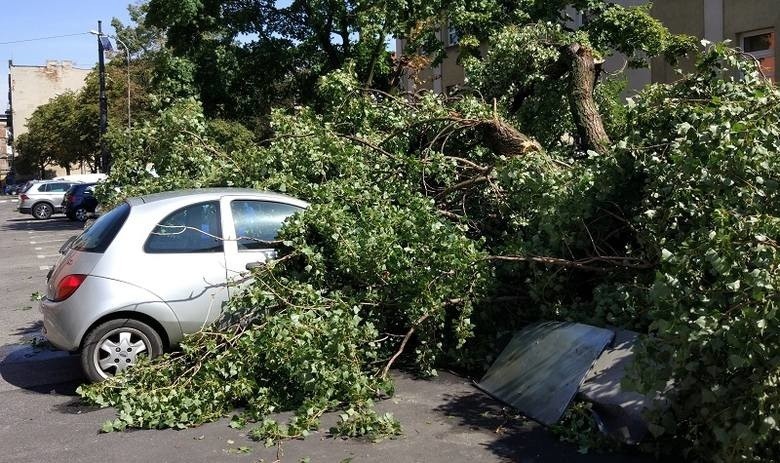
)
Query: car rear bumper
[
  {"x": 65, "y": 323},
  {"x": 25, "y": 210}
]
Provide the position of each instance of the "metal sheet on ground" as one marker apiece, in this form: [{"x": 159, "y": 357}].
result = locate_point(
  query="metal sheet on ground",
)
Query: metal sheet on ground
[
  {"x": 620, "y": 411},
  {"x": 543, "y": 366}
]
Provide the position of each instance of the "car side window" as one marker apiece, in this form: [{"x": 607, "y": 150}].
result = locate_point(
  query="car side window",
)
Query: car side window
[
  {"x": 58, "y": 187},
  {"x": 44, "y": 188},
  {"x": 258, "y": 220},
  {"x": 191, "y": 229}
]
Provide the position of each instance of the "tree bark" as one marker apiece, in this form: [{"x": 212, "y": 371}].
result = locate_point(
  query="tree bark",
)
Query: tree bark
[
  {"x": 582, "y": 81},
  {"x": 505, "y": 140}
]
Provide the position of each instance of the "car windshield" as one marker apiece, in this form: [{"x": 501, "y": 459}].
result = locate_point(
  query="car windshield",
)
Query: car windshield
[{"x": 98, "y": 237}]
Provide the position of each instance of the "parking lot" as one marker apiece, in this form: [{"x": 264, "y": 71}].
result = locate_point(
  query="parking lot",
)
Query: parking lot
[
  {"x": 444, "y": 420},
  {"x": 28, "y": 248}
]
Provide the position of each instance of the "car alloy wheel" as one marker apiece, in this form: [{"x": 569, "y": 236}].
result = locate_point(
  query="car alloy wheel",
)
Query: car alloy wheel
[
  {"x": 80, "y": 214},
  {"x": 42, "y": 211},
  {"x": 116, "y": 345}
]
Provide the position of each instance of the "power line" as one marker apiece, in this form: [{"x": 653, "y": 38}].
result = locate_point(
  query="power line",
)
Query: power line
[{"x": 43, "y": 38}]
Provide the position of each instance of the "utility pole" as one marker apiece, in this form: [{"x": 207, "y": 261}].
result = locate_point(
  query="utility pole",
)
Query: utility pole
[{"x": 105, "y": 160}]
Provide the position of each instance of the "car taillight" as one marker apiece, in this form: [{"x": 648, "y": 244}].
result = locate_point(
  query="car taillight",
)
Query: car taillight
[
  {"x": 24, "y": 197},
  {"x": 71, "y": 199},
  {"x": 67, "y": 286}
]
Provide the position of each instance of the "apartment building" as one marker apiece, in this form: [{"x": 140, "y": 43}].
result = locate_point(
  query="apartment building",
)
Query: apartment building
[
  {"x": 5, "y": 149},
  {"x": 32, "y": 86},
  {"x": 749, "y": 24}
]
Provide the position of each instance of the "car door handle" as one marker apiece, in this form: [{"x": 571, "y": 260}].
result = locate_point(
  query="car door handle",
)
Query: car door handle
[{"x": 255, "y": 265}]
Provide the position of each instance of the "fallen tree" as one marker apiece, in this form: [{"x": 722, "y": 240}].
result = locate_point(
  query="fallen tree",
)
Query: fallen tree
[{"x": 433, "y": 218}]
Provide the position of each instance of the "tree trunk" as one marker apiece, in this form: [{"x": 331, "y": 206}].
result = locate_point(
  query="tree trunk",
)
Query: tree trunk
[{"x": 582, "y": 81}]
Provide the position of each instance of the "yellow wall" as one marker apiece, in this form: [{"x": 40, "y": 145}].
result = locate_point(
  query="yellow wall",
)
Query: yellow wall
[
  {"x": 33, "y": 86},
  {"x": 750, "y": 15},
  {"x": 734, "y": 17}
]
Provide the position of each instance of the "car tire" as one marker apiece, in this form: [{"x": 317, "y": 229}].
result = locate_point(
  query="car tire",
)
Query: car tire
[
  {"x": 42, "y": 211},
  {"x": 80, "y": 214},
  {"x": 115, "y": 345}
]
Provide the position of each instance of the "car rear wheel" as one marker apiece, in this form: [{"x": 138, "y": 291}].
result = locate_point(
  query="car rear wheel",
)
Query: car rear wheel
[
  {"x": 42, "y": 211},
  {"x": 116, "y": 345},
  {"x": 80, "y": 214}
]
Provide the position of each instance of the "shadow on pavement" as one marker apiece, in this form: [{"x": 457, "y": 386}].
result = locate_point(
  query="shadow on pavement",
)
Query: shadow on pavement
[
  {"x": 53, "y": 224},
  {"x": 32, "y": 328},
  {"x": 39, "y": 368},
  {"x": 518, "y": 438}
]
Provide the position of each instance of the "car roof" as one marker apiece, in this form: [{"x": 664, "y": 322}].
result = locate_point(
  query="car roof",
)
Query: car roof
[
  {"x": 56, "y": 181},
  {"x": 211, "y": 193},
  {"x": 80, "y": 185}
]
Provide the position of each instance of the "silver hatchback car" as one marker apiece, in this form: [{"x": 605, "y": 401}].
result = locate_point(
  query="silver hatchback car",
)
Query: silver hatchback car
[{"x": 155, "y": 268}]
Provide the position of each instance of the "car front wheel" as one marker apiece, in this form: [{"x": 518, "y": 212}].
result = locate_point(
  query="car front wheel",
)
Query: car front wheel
[
  {"x": 42, "y": 211},
  {"x": 116, "y": 345}
]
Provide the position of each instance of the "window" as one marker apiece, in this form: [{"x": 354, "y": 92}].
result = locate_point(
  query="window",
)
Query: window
[
  {"x": 191, "y": 229},
  {"x": 258, "y": 220},
  {"x": 761, "y": 45},
  {"x": 452, "y": 36},
  {"x": 97, "y": 237},
  {"x": 54, "y": 187}
]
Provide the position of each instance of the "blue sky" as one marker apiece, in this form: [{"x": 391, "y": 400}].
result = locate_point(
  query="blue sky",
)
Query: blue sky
[{"x": 32, "y": 19}]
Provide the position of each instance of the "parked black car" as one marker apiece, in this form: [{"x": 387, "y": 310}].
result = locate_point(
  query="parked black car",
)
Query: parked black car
[{"x": 79, "y": 202}]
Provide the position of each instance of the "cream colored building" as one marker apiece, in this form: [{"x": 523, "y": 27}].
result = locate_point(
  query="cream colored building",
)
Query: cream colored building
[
  {"x": 32, "y": 86},
  {"x": 750, "y": 24},
  {"x": 5, "y": 150}
]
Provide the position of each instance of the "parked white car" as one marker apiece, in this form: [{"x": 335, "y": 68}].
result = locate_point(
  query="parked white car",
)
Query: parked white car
[
  {"x": 42, "y": 198},
  {"x": 155, "y": 268}
]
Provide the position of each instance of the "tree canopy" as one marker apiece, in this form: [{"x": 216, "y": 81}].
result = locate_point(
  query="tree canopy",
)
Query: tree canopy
[{"x": 440, "y": 225}]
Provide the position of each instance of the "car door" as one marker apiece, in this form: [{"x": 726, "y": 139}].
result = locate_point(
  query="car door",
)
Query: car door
[
  {"x": 55, "y": 192},
  {"x": 249, "y": 222},
  {"x": 184, "y": 264}
]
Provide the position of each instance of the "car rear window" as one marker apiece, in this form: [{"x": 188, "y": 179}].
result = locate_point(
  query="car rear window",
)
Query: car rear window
[
  {"x": 99, "y": 236},
  {"x": 192, "y": 229},
  {"x": 27, "y": 186}
]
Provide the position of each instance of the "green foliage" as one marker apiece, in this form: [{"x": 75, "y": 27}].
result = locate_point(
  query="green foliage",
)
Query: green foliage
[
  {"x": 635, "y": 33},
  {"x": 366, "y": 423},
  {"x": 292, "y": 44},
  {"x": 423, "y": 232},
  {"x": 60, "y": 132},
  {"x": 710, "y": 213},
  {"x": 367, "y": 262},
  {"x": 578, "y": 426}
]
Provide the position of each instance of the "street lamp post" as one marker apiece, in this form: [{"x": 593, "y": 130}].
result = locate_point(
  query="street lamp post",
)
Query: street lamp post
[{"x": 103, "y": 123}]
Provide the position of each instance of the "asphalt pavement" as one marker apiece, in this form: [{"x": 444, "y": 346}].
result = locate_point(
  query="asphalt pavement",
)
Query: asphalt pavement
[{"x": 41, "y": 418}]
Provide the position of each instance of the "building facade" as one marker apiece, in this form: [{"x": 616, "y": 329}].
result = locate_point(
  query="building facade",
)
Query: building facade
[
  {"x": 750, "y": 25},
  {"x": 5, "y": 148},
  {"x": 32, "y": 86}
]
